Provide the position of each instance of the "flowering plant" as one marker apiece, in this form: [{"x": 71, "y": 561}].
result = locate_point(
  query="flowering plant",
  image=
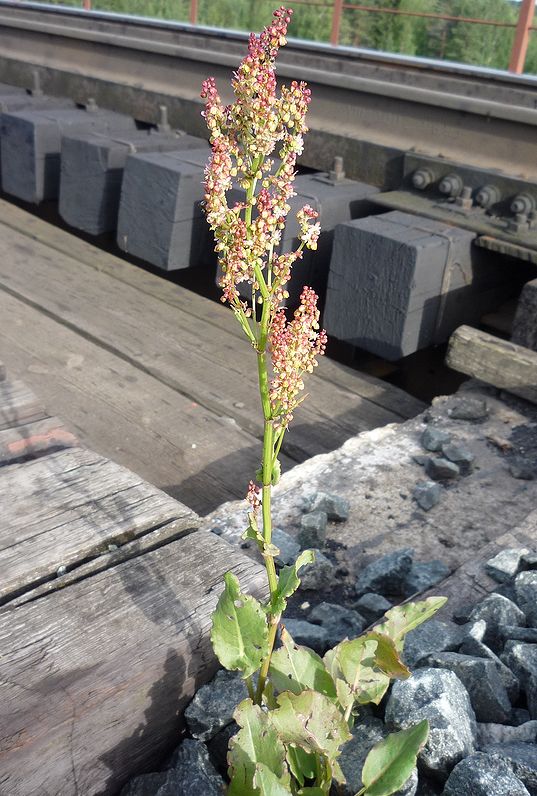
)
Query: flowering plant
[{"x": 300, "y": 707}]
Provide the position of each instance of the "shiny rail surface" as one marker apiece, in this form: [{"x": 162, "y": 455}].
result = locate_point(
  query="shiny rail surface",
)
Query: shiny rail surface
[{"x": 369, "y": 107}]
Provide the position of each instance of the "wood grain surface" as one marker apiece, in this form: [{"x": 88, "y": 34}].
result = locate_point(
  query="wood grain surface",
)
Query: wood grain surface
[
  {"x": 94, "y": 677},
  {"x": 63, "y": 509},
  {"x": 501, "y": 363}
]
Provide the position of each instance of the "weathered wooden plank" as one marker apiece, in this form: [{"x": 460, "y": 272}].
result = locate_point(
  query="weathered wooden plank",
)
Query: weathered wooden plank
[
  {"x": 2, "y": 371},
  {"x": 505, "y": 365},
  {"x": 190, "y": 303},
  {"x": 18, "y": 405},
  {"x": 111, "y": 557},
  {"x": 93, "y": 678},
  {"x": 65, "y": 508},
  {"x": 213, "y": 367},
  {"x": 375, "y": 390},
  {"x": 34, "y": 439},
  {"x": 470, "y": 583},
  {"x": 126, "y": 415}
]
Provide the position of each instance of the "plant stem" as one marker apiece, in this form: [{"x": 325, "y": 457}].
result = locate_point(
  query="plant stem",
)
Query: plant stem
[{"x": 250, "y": 687}]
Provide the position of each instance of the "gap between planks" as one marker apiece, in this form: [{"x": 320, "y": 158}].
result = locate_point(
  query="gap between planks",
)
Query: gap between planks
[
  {"x": 126, "y": 415},
  {"x": 97, "y": 501},
  {"x": 364, "y": 385},
  {"x": 182, "y": 352}
]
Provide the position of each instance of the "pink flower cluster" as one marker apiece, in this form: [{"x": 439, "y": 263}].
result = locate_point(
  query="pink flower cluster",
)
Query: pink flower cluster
[
  {"x": 253, "y": 497},
  {"x": 294, "y": 346},
  {"x": 255, "y": 144},
  {"x": 244, "y": 136}
]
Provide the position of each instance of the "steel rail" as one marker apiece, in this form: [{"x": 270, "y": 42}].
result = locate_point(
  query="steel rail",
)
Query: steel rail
[
  {"x": 218, "y": 36},
  {"x": 366, "y": 107}
]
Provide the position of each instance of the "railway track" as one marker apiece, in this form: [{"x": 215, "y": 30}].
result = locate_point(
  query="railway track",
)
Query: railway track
[
  {"x": 422, "y": 148},
  {"x": 368, "y": 107}
]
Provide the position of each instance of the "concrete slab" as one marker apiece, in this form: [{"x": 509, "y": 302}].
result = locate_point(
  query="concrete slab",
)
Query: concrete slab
[
  {"x": 377, "y": 472},
  {"x": 92, "y": 166},
  {"x": 31, "y": 146},
  {"x": 160, "y": 216},
  {"x": 399, "y": 282}
]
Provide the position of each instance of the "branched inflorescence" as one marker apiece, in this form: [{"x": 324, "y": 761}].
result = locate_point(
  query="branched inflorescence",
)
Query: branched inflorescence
[
  {"x": 290, "y": 734},
  {"x": 248, "y": 184}
]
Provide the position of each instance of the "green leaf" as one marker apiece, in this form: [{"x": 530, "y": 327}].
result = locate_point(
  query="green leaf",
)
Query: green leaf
[
  {"x": 276, "y": 472},
  {"x": 295, "y": 668},
  {"x": 267, "y": 783},
  {"x": 403, "y": 618},
  {"x": 288, "y": 582},
  {"x": 252, "y": 531},
  {"x": 390, "y": 763},
  {"x": 386, "y": 656},
  {"x": 239, "y": 631},
  {"x": 345, "y": 694},
  {"x": 357, "y": 663},
  {"x": 256, "y": 743},
  {"x": 312, "y": 721},
  {"x": 301, "y": 763}
]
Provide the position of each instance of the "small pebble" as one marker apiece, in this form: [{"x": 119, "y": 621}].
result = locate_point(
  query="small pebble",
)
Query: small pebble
[
  {"x": 372, "y": 606},
  {"x": 523, "y": 469},
  {"x": 433, "y": 438},
  {"x": 335, "y": 507},
  {"x": 461, "y": 456},
  {"x": 506, "y": 564},
  {"x": 312, "y": 530},
  {"x": 441, "y": 469},
  {"x": 427, "y": 494},
  {"x": 468, "y": 409}
]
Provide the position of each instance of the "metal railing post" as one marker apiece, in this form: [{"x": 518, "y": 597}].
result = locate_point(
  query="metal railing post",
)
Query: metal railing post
[
  {"x": 193, "y": 12},
  {"x": 522, "y": 35},
  {"x": 336, "y": 22}
]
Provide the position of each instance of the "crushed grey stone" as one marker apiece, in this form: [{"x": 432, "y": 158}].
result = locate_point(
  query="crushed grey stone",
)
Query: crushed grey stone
[
  {"x": 483, "y": 775},
  {"x": 526, "y": 595},
  {"x": 503, "y": 733},
  {"x": 386, "y": 575},
  {"x": 423, "y": 576},
  {"x": 474, "y": 646},
  {"x": 213, "y": 705},
  {"x": 472, "y": 409},
  {"x": 521, "y": 658},
  {"x": 461, "y": 456},
  {"x": 318, "y": 575},
  {"x": 521, "y": 759},
  {"x": 506, "y": 564},
  {"x": 497, "y": 610},
  {"x": 372, "y": 606},
  {"x": 338, "y": 621},
  {"x": 440, "y": 469},
  {"x": 287, "y": 545},
  {"x": 191, "y": 773},
  {"x": 439, "y": 696},
  {"x": 431, "y": 636},
  {"x": 335, "y": 507},
  {"x": 312, "y": 532},
  {"x": 481, "y": 679},
  {"x": 307, "y": 634},
  {"x": 427, "y": 494},
  {"x": 523, "y": 469},
  {"x": 433, "y": 438}
]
